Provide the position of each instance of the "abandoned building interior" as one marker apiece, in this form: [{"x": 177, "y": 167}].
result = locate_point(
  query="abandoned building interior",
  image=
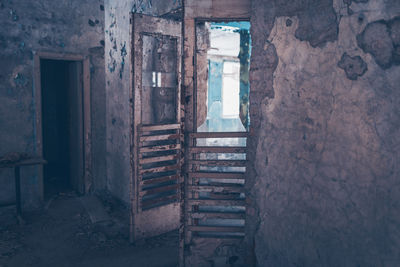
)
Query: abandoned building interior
[{"x": 204, "y": 133}]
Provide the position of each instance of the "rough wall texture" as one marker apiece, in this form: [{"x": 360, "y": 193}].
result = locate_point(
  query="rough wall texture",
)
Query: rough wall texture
[
  {"x": 382, "y": 40},
  {"x": 326, "y": 134},
  {"x": 117, "y": 68},
  {"x": 52, "y": 26}
]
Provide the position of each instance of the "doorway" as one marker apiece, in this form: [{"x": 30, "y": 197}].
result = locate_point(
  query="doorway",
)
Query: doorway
[
  {"x": 216, "y": 152},
  {"x": 62, "y": 125}
]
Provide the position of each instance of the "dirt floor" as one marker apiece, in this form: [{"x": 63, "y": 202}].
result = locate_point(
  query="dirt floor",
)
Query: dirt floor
[{"x": 62, "y": 234}]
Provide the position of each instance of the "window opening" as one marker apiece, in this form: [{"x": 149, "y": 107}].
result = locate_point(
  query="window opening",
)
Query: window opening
[{"x": 222, "y": 116}]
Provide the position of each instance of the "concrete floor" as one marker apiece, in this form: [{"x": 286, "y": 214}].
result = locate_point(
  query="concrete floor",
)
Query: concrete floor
[{"x": 63, "y": 235}]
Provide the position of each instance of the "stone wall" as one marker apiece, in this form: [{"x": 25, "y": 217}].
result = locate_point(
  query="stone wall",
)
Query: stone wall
[
  {"x": 117, "y": 68},
  {"x": 51, "y": 26},
  {"x": 325, "y": 115}
]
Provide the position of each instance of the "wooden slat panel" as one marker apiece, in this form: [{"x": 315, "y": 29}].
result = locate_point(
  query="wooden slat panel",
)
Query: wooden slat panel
[
  {"x": 217, "y": 175},
  {"x": 229, "y": 163},
  {"x": 159, "y": 148},
  {"x": 159, "y": 180},
  {"x": 219, "y": 135},
  {"x": 159, "y": 189},
  {"x": 217, "y": 189},
  {"x": 146, "y": 203},
  {"x": 225, "y": 196},
  {"x": 222, "y": 238},
  {"x": 230, "y": 229},
  {"x": 158, "y": 159},
  {"x": 217, "y": 149},
  {"x": 215, "y": 202},
  {"x": 160, "y": 169},
  {"x": 217, "y": 215},
  {"x": 148, "y": 128},
  {"x": 159, "y": 137},
  {"x": 222, "y": 184}
]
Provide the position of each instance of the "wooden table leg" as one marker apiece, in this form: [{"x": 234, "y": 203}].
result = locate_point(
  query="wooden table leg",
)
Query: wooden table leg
[{"x": 18, "y": 189}]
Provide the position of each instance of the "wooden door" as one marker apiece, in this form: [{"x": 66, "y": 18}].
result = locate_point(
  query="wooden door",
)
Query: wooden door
[{"x": 156, "y": 155}]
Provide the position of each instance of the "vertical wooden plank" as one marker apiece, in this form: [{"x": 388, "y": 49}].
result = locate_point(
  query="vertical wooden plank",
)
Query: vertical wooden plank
[
  {"x": 38, "y": 120},
  {"x": 132, "y": 135},
  {"x": 87, "y": 125},
  {"x": 188, "y": 80},
  {"x": 81, "y": 138},
  {"x": 189, "y": 73},
  {"x": 181, "y": 256},
  {"x": 137, "y": 115},
  {"x": 75, "y": 96}
]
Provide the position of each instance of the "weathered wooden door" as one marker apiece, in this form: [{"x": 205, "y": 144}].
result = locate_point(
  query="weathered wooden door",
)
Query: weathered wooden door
[{"x": 156, "y": 155}]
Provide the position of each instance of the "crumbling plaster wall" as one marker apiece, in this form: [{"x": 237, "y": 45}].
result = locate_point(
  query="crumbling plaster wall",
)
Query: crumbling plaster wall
[
  {"x": 117, "y": 69},
  {"x": 325, "y": 113},
  {"x": 52, "y": 26}
]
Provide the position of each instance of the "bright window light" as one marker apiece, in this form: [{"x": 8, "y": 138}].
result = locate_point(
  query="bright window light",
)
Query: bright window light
[{"x": 230, "y": 89}]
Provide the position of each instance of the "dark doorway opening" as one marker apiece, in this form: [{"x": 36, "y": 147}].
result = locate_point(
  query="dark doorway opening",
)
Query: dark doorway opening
[{"x": 61, "y": 84}]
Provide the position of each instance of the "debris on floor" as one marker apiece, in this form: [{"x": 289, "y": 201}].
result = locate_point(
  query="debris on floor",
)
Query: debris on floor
[{"x": 70, "y": 233}]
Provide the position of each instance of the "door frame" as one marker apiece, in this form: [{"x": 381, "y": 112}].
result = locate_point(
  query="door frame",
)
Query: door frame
[
  {"x": 85, "y": 184},
  {"x": 194, "y": 11}
]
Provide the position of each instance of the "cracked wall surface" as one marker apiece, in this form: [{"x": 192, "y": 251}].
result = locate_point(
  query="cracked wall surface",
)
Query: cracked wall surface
[
  {"x": 52, "y": 26},
  {"x": 324, "y": 153},
  {"x": 117, "y": 71}
]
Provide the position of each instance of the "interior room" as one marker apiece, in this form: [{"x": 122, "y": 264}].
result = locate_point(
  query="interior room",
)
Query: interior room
[
  {"x": 61, "y": 85},
  {"x": 212, "y": 133}
]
